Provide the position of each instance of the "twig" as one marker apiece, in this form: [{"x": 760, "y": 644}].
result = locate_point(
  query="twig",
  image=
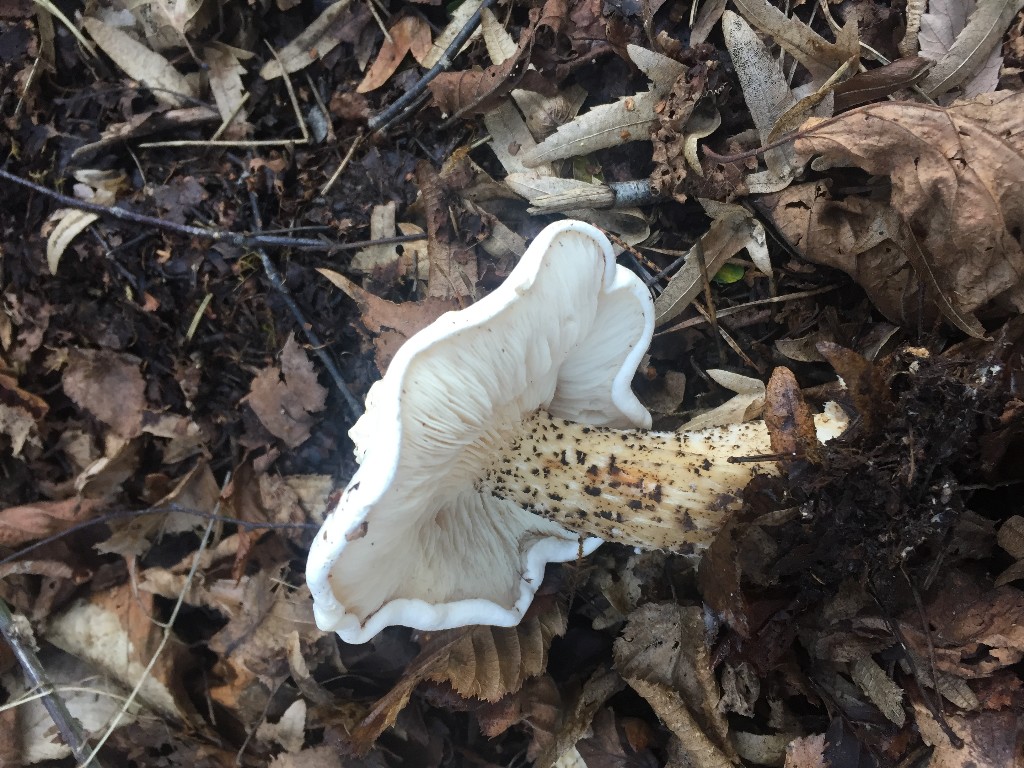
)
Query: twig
[
  {"x": 218, "y": 236},
  {"x": 354, "y": 406},
  {"x": 383, "y": 119},
  {"x": 344, "y": 164},
  {"x": 712, "y": 316},
  {"x": 69, "y": 727}
]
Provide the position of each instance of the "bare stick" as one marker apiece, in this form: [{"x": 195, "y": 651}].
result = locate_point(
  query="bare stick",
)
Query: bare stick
[
  {"x": 354, "y": 406},
  {"x": 382, "y": 120},
  {"x": 70, "y": 729},
  {"x": 217, "y": 236}
]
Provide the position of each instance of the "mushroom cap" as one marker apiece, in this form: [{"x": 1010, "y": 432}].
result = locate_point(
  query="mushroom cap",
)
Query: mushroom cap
[{"x": 412, "y": 542}]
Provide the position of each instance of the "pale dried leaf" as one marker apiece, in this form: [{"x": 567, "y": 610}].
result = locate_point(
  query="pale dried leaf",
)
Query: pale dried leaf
[
  {"x": 116, "y": 631},
  {"x": 746, "y": 405},
  {"x": 879, "y": 688},
  {"x": 70, "y": 224},
  {"x": 93, "y": 700},
  {"x": 672, "y": 712},
  {"x": 733, "y": 230},
  {"x": 289, "y": 731},
  {"x": 316, "y": 41},
  {"x": 761, "y": 748},
  {"x": 140, "y": 63},
  {"x": 225, "y": 73},
  {"x": 1011, "y": 537},
  {"x": 20, "y": 427},
  {"x": 460, "y": 17},
  {"x": 22, "y": 524},
  {"x": 975, "y": 46},
  {"x": 765, "y": 90},
  {"x": 631, "y": 118},
  {"x": 806, "y": 752},
  {"x": 820, "y": 57}
]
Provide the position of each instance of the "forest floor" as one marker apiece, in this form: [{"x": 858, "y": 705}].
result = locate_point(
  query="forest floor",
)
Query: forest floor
[{"x": 217, "y": 225}]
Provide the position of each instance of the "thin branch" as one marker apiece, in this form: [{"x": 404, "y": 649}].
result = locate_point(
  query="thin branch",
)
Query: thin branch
[
  {"x": 319, "y": 349},
  {"x": 218, "y": 236},
  {"x": 383, "y": 119},
  {"x": 69, "y": 727}
]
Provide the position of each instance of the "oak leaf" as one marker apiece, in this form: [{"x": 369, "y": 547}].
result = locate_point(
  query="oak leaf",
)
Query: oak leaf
[{"x": 956, "y": 178}]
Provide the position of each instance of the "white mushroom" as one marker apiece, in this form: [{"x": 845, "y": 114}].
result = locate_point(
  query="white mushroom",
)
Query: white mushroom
[{"x": 502, "y": 432}]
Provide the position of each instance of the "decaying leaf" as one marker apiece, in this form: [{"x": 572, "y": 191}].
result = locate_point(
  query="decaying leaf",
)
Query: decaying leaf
[
  {"x": 110, "y": 386},
  {"x": 665, "y": 651},
  {"x": 22, "y": 524},
  {"x": 820, "y": 57},
  {"x": 410, "y": 34},
  {"x": 631, "y": 118},
  {"x": 963, "y": 37},
  {"x": 468, "y": 659},
  {"x": 141, "y": 63},
  {"x": 116, "y": 631},
  {"x": 225, "y": 73},
  {"x": 733, "y": 230},
  {"x": 285, "y": 398},
  {"x": 389, "y": 324},
  {"x": 767, "y": 94},
  {"x": 478, "y": 91},
  {"x": 953, "y": 173},
  {"x": 316, "y": 41},
  {"x": 876, "y": 84},
  {"x": 880, "y": 688},
  {"x": 746, "y": 405},
  {"x": 988, "y": 739}
]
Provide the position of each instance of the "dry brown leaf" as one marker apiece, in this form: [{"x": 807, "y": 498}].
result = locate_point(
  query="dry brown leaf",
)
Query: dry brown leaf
[
  {"x": 140, "y": 63},
  {"x": 490, "y": 662},
  {"x": 468, "y": 659},
  {"x": 955, "y": 176},
  {"x": 316, "y": 41},
  {"x": 576, "y": 721},
  {"x": 876, "y": 84},
  {"x": 667, "y": 645},
  {"x": 806, "y": 752},
  {"x": 883, "y": 692},
  {"x": 285, "y": 398},
  {"x": 790, "y": 420},
  {"x": 28, "y": 522},
  {"x": 672, "y": 711},
  {"x": 990, "y": 739},
  {"x": 410, "y": 34},
  {"x": 389, "y": 324},
  {"x": 820, "y": 57},
  {"x": 110, "y": 386},
  {"x": 453, "y": 266},
  {"x": 478, "y": 91},
  {"x": 977, "y": 630}
]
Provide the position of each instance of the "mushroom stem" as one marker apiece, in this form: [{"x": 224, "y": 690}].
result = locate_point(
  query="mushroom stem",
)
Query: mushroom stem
[{"x": 656, "y": 490}]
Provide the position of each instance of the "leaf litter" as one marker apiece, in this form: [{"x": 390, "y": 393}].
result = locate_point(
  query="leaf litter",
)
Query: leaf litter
[{"x": 863, "y": 608}]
